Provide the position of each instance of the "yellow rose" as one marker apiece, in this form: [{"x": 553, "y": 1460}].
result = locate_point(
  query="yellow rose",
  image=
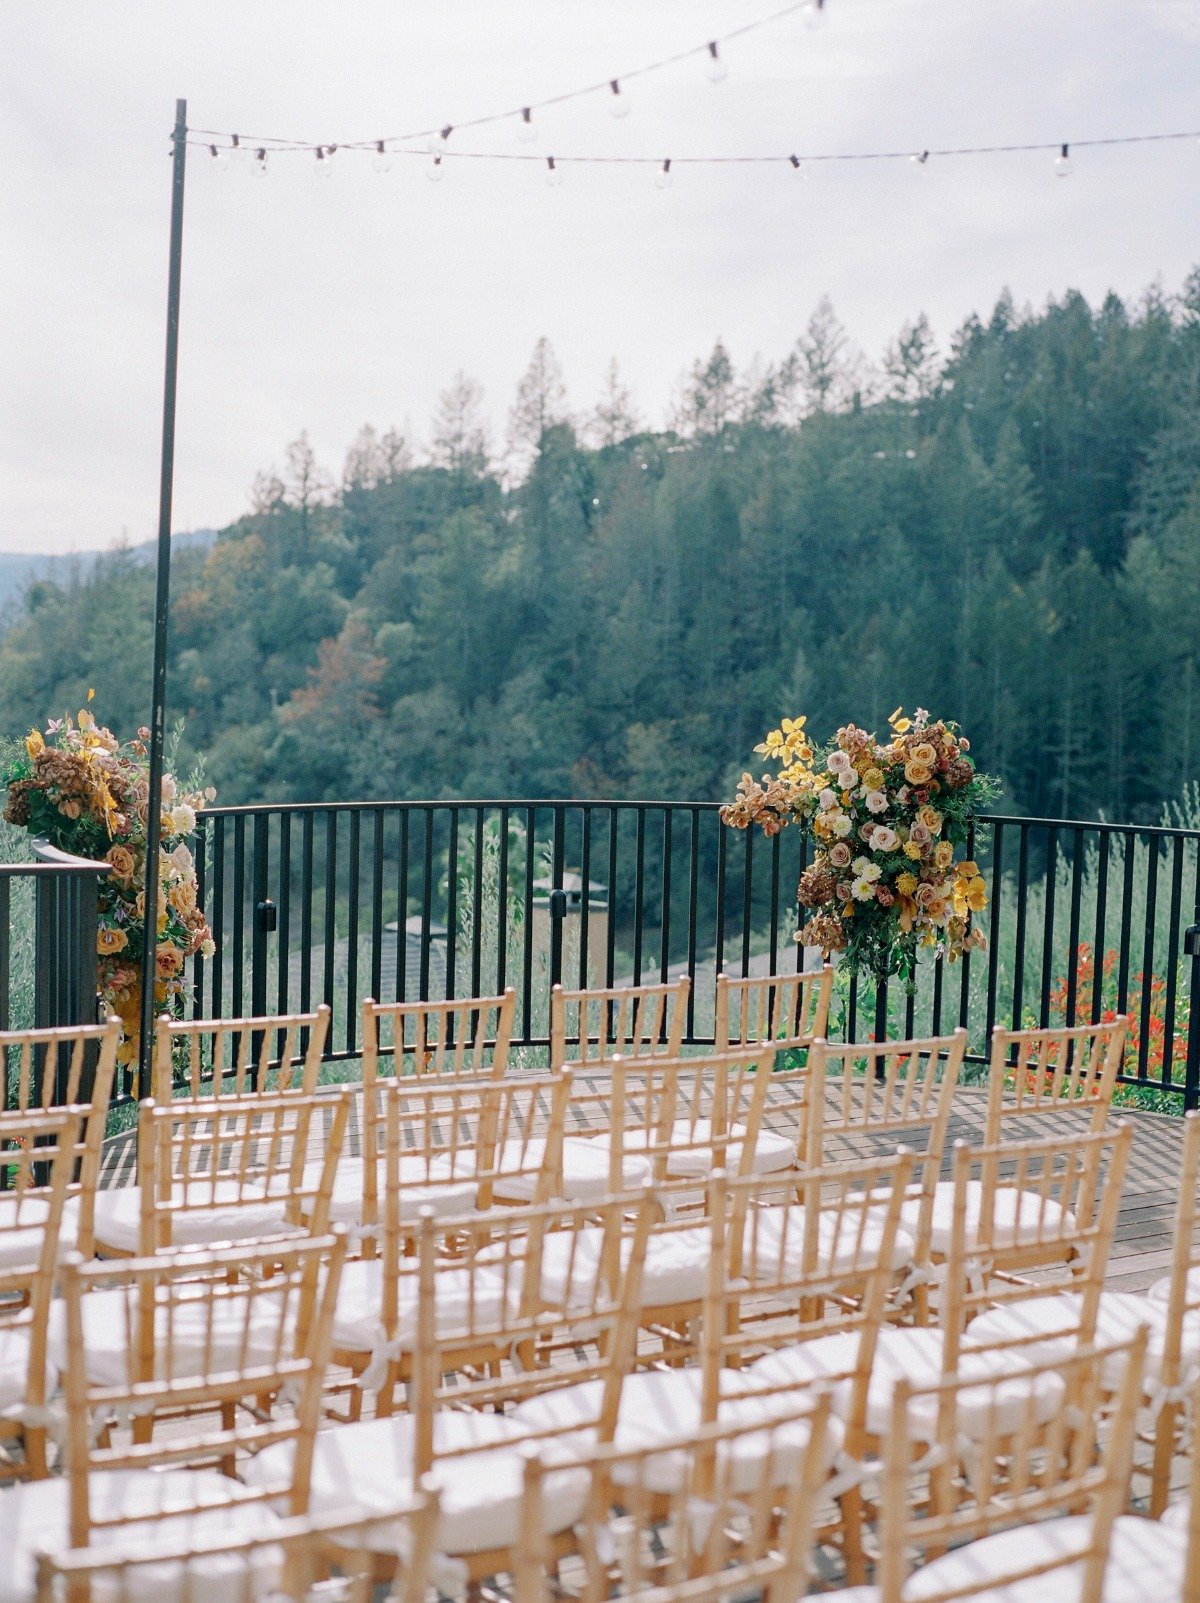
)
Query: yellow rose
[
  {"x": 968, "y": 868},
  {"x": 121, "y": 860},
  {"x": 943, "y": 854},
  {"x": 924, "y": 754},
  {"x": 931, "y": 818},
  {"x": 168, "y": 960},
  {"x": 917, "y": 773},
  {"x": 109, "y": 941}
]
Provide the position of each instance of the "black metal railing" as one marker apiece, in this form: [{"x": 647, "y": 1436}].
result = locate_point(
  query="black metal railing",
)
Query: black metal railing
[{"x": 398, "y": 900}]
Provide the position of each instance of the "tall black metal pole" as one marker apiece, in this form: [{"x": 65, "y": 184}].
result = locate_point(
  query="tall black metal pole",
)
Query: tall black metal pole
[{"x": 162, "y": 594}]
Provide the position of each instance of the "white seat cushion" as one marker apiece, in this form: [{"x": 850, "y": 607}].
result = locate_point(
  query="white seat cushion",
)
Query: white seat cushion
[
  {"x": 1160, "y": 1291},
  {"x": 214, "y": 1335},
  {"x": 1176, "y": 1517},
  {"x": 1145, "y": 1563},
  {"x": 665, "y": 1405},
  {"x": 220, "y": 1211},
  {"x": 463, "y": 1300},
  {"x": 1018, "y": 1217},
  {"x": 33, "y": 1517},
  {"x": 370, "y": 1465},
  {"x": 915, "y": 1355},
  {"x": 774, "y": 1241},
  {"x": 420, "y": 1187},
  {"x": 14, "y": 1367},
  {"x": 22, "y": 1228},
  {"x": 674, "y": 1270},
  {"x": 694, "y": 1161},
  {"x": 1055, "y": 1319}
]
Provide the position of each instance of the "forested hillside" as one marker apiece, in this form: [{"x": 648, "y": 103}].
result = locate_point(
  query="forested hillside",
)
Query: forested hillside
[{"x": 1007, "y": 533}]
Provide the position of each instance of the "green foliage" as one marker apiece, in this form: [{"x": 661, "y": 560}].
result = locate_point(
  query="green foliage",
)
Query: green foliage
[{"x": 1009, "y": 533}]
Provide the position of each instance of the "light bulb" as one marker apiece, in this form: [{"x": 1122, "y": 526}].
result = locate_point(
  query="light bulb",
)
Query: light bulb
[
  {"x": 1062, "y": 162},
  {"x": 381, "y": 161},
  {"x": 815, "y": 17},
  {"x": 436, "y": 169},
  {"x": 618, "y": 100},
  {"x": 801, "y": 167},
  {"x": 258, "y": 167},
  {"x": 527, "y": 128},
  {"x": 220, "y": 159},
  {"x": 324, "y": 167},
  {"x": 554, "y": 173},
  {"x": 715, "y": 69},
  {"x": 920, "y": 159},
  {"x": 662, "y": 177}
]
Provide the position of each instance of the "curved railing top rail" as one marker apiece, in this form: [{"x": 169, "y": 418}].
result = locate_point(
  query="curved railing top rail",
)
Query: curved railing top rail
[
  {"x": 523, "y": 803},
  {"x": 52, "y": 860}
]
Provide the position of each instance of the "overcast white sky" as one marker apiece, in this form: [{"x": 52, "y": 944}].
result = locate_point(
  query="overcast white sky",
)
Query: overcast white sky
[{"x": 326, "y": 305}]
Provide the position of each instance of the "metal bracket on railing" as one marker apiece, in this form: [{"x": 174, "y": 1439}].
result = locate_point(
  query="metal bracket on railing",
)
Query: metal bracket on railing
[
  {"x": 268, "y": 916},
  {"x": 1191, "y": 940}
]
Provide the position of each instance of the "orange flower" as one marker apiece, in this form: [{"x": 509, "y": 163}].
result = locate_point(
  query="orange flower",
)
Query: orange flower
[{"x": 110, "y": 940}]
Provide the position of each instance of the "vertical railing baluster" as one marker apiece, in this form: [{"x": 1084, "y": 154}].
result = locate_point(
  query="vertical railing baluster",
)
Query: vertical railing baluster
[
  {"x": 693, "y": 910},
  {"x": 284, "y": 944},
  {"x": 502, "y": 906},
  {"x": 585, "y": 891},
  {"x": 354, "y": 849},
  {"x": 664, "y": 961},
  {"x": 329, "y": 991},
  {"x": 722, "y": 837},
  {"x": 378, "y": 859},
  {"x": 306, "y": 917},
  {"x": 200, "y": 858},
  {"x": 964, "y": 987},
  {"x": 776, "y": 842},
  {"x": 1048, "y": 922},
  {"x": 639, "y": 889},
  {"x": 477, "y": 909},
  {"x": 527, "y": 975},
  {"x": 452, "y": 906},
  {"x": 747, "y": 900},
  {"x": 994, "y": 930},
  {"x": 239, "y": 915},
  {"x": 402, "y": 909},
  {"x": 1173, "y": 932},
  {"x": 1148, "y": 956},
  {"x": 1019, "y": 939},
  {"x": 1130, "y": 839},
  {"x": 1073, "y": 926},
  {"x": 217, "y": 922},
  {"x": 610, "y": 956},
  {"x": 426, "y": 903},
  {"x": 1100, "y": 928}
]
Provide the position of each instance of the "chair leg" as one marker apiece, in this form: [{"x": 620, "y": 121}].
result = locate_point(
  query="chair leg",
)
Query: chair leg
[
  {"x": 1164, "y": 1446},
  {"x": 850, "y": 1506}
]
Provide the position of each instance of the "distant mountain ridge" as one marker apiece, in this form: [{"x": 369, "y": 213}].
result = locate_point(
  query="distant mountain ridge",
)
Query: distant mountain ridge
[{"x": 19, "y": 569}]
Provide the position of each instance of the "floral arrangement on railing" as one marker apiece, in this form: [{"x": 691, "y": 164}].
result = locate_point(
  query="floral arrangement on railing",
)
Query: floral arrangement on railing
[
  {"x": 87, "y": 793},
  {"x": 887, "y": 819}
]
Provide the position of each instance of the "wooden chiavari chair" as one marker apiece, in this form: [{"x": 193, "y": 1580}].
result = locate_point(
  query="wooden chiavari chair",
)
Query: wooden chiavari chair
[
  {"x": 1040, "y": 1515},
  {"x": 517, "y": 1278},
  {"x": 1172, "y": 1309},
  {"x": 864, "y": 1098},
  {"x": 37, "y": 1154},
  {"x": 289, "y": 1563},
  {"x": 1179, "y": 1526},
  {"x": 66, "y": 1068},
  {"x": 456, "y": 1148},
  {"x": 727, "y": 1511},
  {"x": 457, "y": 1039},
  {"x": 789, "y": 1010},
  {"x": 207, "y": 1350},
  {"x": 1055, "y": 1201},
  {"x": 1038, "y": 1074},
  {"x": 230, "y": 1168},
  {"x": 233, "y": 1057},
  {"x": 590, "y": 1027}
]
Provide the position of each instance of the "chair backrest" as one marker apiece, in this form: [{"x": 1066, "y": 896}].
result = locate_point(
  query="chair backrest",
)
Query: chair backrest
[
  {"x": 37, "y": 1153},
  {"x": 1035, "y": 1073},
  {"x": 1191, "y": 1577},
  {"x": 726, "y": 1511},
  {"x": 528, "y": 1274},
  {"x": 461, "y": 1145},
  {"x": 288, "y": 1559},
  {"x": 1024, "y": 1469},
  {"x": 466, "y": 1036},
  {"x": 234, "y": 1167},
  {"x": 827, "y": 1261},
  {"x": 68, "y": 1067},
  {"x": 1046, "y": 1202},
  {"x": 219, "y": 1057},
  {"x": 790, "y": 1010},
  {"x": 592, "y": 1026},
  {"x": 686, "y": 1116},
  {"x": 1171, "y": 1387},
  {"x": 208, "y": 1335}
]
